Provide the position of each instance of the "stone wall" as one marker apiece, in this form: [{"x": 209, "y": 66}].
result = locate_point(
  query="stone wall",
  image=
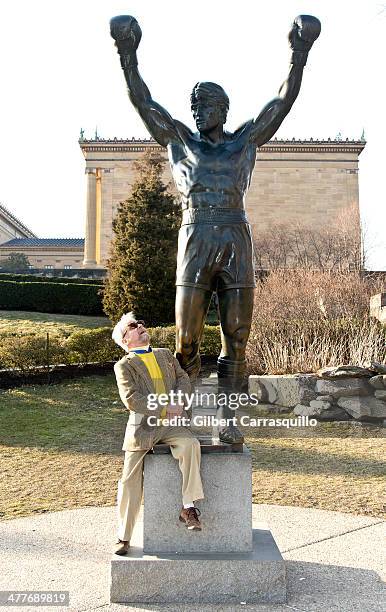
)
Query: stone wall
[{"x": 332, "y": 394}]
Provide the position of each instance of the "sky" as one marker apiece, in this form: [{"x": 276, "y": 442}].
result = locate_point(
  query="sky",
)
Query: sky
[{"x": 60, "y": 72}]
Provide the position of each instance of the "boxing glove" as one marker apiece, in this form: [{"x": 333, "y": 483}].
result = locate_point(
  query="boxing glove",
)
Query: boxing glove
[
  {"x": 305, "y": 30},
  {"x": 126, "y": 32}
]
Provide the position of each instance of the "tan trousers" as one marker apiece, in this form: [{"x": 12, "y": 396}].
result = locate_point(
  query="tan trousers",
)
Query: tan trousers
[{"x": 130, "y": 486}]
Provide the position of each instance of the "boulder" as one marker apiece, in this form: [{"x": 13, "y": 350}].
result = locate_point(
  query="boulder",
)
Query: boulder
[
  {"x": 345, "y": 371},
  {"x": 307, "y": 383},
  {"x": 378, "y": 382},
  {"x": 320, "y": 406},
  {"x": 360, "y": 407},
  {"x": 380, "y": 368},
  {"x": 346, "y": 387},
  {"x": 287, "y": 390},
  {"x": 263, "y": 388},
  {"x": 301, "y": 410},
  {"x": 334, "y": 414},
  {"x": 380, "y": 394},
  {"x": 325, "y": 398}
]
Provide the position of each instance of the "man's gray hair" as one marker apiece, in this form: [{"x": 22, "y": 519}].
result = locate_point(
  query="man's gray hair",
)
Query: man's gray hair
[{"x": 120, "y": 328}]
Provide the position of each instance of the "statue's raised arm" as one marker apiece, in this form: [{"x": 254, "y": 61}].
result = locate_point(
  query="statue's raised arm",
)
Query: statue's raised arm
[
  {"x": 305, "y": 30},
  {"x": 127, "y": 35}
]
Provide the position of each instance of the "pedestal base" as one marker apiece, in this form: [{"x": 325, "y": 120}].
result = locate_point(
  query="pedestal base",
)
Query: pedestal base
[{"x": 255, "y": 577}]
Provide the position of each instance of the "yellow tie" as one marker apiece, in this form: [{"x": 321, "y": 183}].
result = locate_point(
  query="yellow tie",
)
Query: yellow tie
[{"x": 155, "y": 373}]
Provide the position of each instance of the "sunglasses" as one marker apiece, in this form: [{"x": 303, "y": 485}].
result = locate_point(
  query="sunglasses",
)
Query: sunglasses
[{"x": 134, "y": 324}]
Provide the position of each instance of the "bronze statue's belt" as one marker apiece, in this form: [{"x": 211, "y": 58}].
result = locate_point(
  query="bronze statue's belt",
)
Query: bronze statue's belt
[{"x": 213, "y": 215}]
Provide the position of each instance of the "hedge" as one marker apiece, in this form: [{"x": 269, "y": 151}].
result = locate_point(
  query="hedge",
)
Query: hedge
[
  {"x": 32, "y": 278},
  {"x": 166, "y": 337},
  {"x": 26, "y": 352},
  {"x": 64, "y": 298},
  {"x": 89, "y": 345},
  {"x": 97, "y": 345}
]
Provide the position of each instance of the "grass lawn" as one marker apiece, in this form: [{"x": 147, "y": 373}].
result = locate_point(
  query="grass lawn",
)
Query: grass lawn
[
  {"x": 60, "y": 447},
  {"x": 15, "y": 321}
]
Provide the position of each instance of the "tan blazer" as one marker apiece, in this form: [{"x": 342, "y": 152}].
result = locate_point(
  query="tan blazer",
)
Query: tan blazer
[{"x": 135, "y": 383}]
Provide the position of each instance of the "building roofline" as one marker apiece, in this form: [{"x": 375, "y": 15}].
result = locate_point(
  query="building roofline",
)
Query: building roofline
[
  {"x": 28, "y": 247},
  {"x": 275, "y": 145},
  {"x": 43, "y": 244},
  {"x": 279, "y": 140},
  {"x": 11, "y": 218}
]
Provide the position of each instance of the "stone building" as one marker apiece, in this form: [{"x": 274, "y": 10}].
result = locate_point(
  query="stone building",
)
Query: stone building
[
  {"x": 11, "y": 227},
  {"x": 47, "y": 254},
  {"x": 44, "y": 254},
  {"x": 309, "y": 181}
]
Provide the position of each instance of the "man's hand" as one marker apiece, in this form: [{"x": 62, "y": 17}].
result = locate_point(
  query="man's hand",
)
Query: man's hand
[
  {"x": 305, "y": 30},
  {"x": 174, "y": 409},
  {"x": 126, "y": 32}
]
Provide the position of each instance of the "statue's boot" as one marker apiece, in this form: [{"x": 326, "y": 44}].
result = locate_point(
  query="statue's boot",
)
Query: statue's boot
[
  {"x": 231, "y": 435},
  {"x": 231, "y": 379}
]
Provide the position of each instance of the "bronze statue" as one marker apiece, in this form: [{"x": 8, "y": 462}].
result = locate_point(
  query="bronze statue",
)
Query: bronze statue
[{"x": 212, "y": 170}]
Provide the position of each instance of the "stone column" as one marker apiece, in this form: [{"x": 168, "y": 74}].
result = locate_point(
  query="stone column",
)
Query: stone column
[
  {"x": 90, "y": 238},
  {"x": 106, "y": 235}
]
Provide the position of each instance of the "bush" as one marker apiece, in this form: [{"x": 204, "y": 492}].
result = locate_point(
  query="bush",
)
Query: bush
[
  {"x": 97, "y": 344},
  {"x": 14, "y": 262},
  {"x": 26, "y": 352},
  {"x": 166, "y": 337},
  {"x": 32, "y": 278},
  {"x": 89, "y": 345},
  {"x": 92, "y": 345},
  {"x": 211, "y": 341},
  {"x": 51, "y": 297},
  {"x": 306, "y": 320},
  {"x": 306, "y": 346}
]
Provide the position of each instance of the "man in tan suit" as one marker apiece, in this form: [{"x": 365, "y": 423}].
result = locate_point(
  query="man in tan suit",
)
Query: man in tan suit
[{"x": 144, "y": 371}]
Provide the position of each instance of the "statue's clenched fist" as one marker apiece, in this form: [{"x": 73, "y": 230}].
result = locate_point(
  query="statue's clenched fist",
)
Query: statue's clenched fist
[
  {"x": 305, "y": 30},
  {"x": 126, "y": 32}
]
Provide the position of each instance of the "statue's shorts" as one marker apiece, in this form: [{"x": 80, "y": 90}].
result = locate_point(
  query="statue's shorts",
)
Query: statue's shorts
[{"x": 215, "y": 256}]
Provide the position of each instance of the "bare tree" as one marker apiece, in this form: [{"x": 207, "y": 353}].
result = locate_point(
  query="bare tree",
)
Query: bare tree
[{"x": 296, "y": 245}]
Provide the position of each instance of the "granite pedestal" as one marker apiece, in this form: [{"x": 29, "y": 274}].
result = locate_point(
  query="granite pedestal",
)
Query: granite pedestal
[
  {"x": 226, "y": 509},
  {"x": 227, "y": 562}
]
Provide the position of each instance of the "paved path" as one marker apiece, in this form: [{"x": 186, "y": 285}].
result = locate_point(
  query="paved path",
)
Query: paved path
[{"x": 334, "y": 560}]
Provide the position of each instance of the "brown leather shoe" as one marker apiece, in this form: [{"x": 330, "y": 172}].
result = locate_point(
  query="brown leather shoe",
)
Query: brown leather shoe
[
  {"x": 189, "y": 516},
  {"x": 121, "y": 547}
]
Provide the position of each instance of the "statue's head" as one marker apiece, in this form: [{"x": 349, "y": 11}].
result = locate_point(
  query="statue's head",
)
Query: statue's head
[{"x": 209, "y": 104}]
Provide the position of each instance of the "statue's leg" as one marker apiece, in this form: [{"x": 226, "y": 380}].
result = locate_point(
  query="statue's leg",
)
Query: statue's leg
[
  {"x": 236, "y": 307},
  {"x": 192, "y": 304}
]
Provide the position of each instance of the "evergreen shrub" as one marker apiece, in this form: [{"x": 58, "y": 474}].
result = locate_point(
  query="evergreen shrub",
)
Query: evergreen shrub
[{"x": 142, "y": 266}]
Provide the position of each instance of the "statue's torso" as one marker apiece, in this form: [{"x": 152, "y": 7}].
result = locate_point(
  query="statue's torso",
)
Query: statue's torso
[{"x": 213, "y": 176}]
